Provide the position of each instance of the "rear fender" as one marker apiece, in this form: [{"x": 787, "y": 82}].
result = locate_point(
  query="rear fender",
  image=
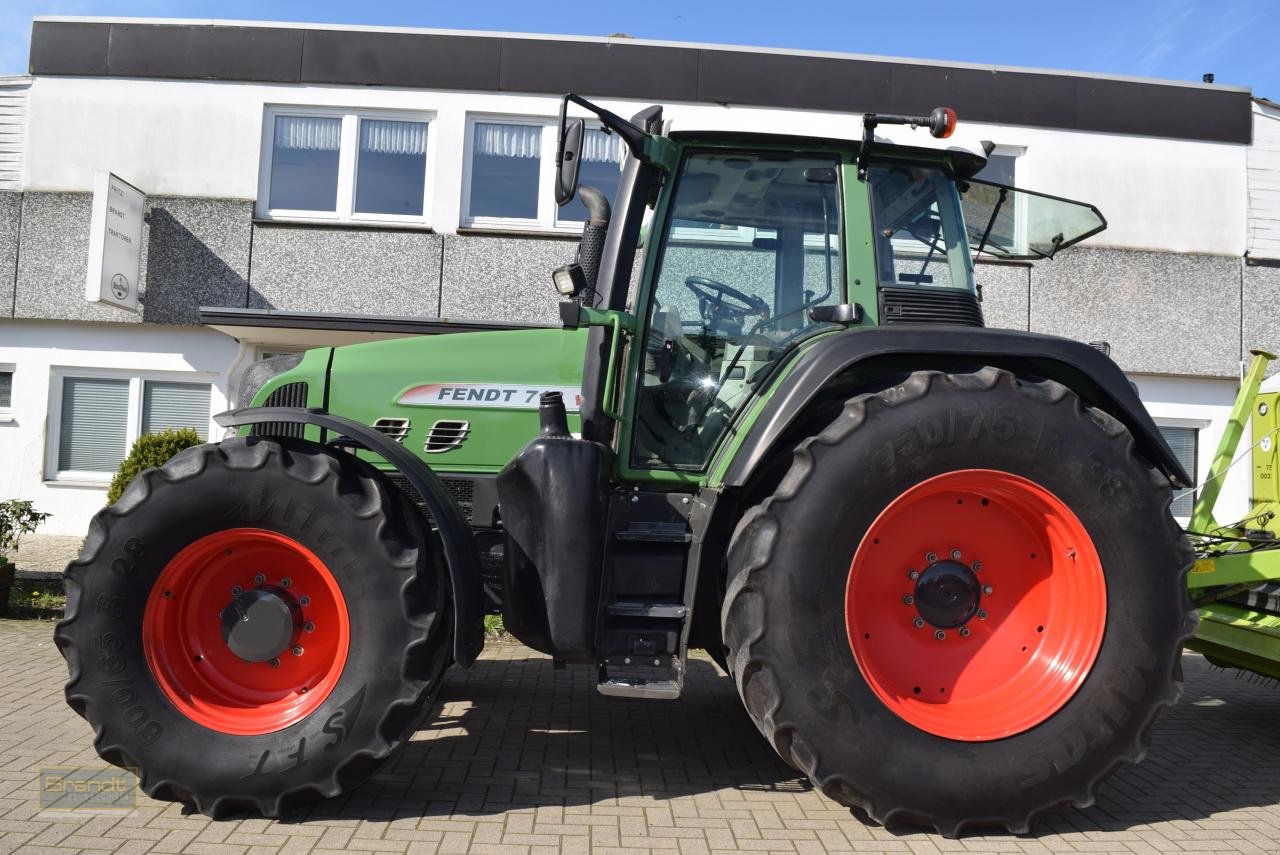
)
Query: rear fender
[
  {"x": 460, "y": 550},
  {"x": 838, "y": 359}
]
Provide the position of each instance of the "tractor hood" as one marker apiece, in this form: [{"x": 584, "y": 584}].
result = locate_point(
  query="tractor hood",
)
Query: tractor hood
[{"x": 465, "y": 402}]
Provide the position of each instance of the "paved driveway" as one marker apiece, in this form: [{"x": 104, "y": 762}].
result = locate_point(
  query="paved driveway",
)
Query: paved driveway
[{"x": 523, "y": 758}]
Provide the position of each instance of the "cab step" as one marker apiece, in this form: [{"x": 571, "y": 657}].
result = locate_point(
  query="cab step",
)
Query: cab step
[
  {"x": 658, "y": 678},
  {"x": 669, "y": 611}
]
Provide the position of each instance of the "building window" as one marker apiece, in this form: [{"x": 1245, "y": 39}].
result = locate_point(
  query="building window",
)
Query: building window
[
  {"x": 391, "y": 168},
  {"x": 343, "y": 167},
  {"x": 1185, "y": 443},
  {"x": 99, "y": 416},
  {"x": 510, "y": 169},
  {"x": 6, "y": 389},
  {"x": 1001, "y": 168}
]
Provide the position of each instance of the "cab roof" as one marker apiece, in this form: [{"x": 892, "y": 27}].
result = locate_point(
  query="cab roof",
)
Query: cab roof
[{"x": 966, "y": 159}]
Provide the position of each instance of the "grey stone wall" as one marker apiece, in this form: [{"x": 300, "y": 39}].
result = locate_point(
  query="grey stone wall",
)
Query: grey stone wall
[
  {"x": 502, "y": 278},
  {"x": 1163, "y": 313},
  {"x": 353, "y": 271},
  {"x": 53, "y": 260},
  {"x": 197, "y": 254},
  {"x": 194, "y": 252},
  {"x": 10, "y": 216},
  {"x": 1006, "y": 294},
  {"x": 1260, "y": 306}
]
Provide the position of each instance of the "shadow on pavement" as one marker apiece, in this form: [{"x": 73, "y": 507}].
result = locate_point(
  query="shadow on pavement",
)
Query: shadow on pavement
[{"x": 515, "y": 733}]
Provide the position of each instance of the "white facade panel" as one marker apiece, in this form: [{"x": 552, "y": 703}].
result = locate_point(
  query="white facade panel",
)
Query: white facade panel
[
  {"x": 1263, "y": 161},
  {"x": 13, "y": 130},
  {"x": 201, "y": 138},
  {"x": 28, "y": 441},
  {"x": 1204, "y": 405}
]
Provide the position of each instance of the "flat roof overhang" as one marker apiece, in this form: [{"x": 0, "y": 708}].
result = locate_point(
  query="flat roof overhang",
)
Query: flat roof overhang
[
  {"x": 325, "y": 329},
  {"x": 656, "y": 71}
]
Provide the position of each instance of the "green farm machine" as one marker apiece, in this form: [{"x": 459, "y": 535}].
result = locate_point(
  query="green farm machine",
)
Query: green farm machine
[{"x": 936, "y": 559}]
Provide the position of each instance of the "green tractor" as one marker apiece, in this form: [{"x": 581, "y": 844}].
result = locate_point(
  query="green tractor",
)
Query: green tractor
[{"x": 936, "y": 559}]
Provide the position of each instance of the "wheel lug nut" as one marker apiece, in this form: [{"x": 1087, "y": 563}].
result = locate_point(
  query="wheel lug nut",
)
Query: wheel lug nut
[
  {"x": 987, "y": 589},
  {"x": 236, "y": 590},
  {"x": 308, "y": 627},
  {"x": 274, "y": 663},
  {"x": 286, "y": 582},
  {"x": 939, "y": 634},
  {"x": 955, "y": 555},
  {"x": 297, "y": 651},
  {"x": 259, "y": 579},
  {"x": 908, "y": 599},
  {"x": 977, "y": 566},
  {"x": 982, "y": 614},
  {"x": 305, "y": 601},
  {"x": 964, "y": 632},
  {"x": 913, "y": 575},
  {"x": 930, "y": 557},
  {"x": 918, "y": 623}
]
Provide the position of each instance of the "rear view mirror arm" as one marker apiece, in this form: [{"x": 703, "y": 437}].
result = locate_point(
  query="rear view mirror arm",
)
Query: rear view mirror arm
[{"x": 631, "y": 135}]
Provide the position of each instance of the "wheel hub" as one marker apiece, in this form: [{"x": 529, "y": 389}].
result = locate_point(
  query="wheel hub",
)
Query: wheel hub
[
  {"x": 258, "y": 625},
  {"x": 947, "y": 594}
]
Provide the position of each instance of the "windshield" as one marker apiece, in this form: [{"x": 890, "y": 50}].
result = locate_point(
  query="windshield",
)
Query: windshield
[
  {"x": 1010, "y": 223},
  {"x": 751, "y": 244}
]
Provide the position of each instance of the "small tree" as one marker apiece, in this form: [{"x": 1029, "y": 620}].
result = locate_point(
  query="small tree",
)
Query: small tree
[
  {"x": 150, "y": 451},
  {"x": 16, "y": 519}
]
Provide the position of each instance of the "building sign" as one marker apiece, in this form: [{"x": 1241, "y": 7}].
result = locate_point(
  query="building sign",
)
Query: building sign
[
  {"x": 115, "y": 242},
  {"x": 507, "y": 396}
]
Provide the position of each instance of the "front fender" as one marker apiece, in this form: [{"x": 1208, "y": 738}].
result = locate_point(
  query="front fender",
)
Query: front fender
[
  {"x": 1084, "y": 369},
  {"x": 460, "y": 550}
]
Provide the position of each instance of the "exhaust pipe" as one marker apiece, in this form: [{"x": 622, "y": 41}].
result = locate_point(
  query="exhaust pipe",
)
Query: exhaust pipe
[{"x": 591, "y": 247}]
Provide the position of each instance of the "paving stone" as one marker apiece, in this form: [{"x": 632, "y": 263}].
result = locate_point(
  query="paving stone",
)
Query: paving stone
[{"x": 520, "y": 758}]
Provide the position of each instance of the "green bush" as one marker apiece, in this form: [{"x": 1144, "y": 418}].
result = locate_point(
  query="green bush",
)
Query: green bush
[
  {"x": 150, "y": 451},
  {"x": 16, "y": 519}
]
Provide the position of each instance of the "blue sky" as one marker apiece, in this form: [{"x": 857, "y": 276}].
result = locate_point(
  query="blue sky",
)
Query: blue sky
[{"x": 1177, "y": 39}]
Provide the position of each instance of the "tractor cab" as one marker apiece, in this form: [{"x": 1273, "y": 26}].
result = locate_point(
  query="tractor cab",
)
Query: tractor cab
[{"x": 756, "y": 244}]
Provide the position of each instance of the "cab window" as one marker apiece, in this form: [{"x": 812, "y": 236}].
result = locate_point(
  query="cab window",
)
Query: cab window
[
  {"x": 919, "y": 229},
  {"x": 751, "y": 244}
]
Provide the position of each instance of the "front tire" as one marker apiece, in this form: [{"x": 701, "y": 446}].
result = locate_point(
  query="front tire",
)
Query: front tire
[
  {"x": 255, "y": 625},
  {"x": 964, "y": 603}
]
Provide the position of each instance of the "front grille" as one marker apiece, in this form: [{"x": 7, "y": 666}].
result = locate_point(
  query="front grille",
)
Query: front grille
[
  {"x": 396, "y": 429},
  {"x": 463, "y": 491},
  {"x": 288, "y": 395},
  {"x": 446, "y": 435},
  {"x": 929, "y": 306}
]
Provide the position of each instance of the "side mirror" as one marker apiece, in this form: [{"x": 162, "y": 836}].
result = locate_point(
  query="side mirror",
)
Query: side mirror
[{"x": 568, "y": 163}]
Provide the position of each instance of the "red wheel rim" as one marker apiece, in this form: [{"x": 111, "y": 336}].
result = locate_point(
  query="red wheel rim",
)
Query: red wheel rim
[
  {"x": 182, "y": 633},
  {"x": 1029, "y": 639}
]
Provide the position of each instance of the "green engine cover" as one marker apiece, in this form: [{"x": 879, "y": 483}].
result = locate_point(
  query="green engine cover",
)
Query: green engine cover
[{"x": 464, "y": 402}]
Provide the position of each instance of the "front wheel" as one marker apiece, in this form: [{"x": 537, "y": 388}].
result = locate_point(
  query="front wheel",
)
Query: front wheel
[
  {"x": 964, "y": 603},
  {"x": 255, "y": 625}
]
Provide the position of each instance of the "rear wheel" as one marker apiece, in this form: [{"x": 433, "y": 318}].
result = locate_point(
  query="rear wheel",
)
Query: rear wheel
[
  {"x": 255, "y": 625},
  {"x": 963, "y": 604}
]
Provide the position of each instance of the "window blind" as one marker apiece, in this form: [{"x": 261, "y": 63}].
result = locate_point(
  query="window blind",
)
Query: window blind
[
  {"x": 308, "y": 133},
  {"x": 381, "y": 136},
  {"x": 6, "y": 388},
  {"x": 1183, "y": 441},
  {"x": 175, "y": 405},
  {"x": 495, "y": 140},
  {"x": 599, "y": 147},
  {"x": 95, "y": 416}
]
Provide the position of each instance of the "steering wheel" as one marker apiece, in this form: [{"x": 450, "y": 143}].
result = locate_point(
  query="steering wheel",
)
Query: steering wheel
[{"x": 718, "y": 303}]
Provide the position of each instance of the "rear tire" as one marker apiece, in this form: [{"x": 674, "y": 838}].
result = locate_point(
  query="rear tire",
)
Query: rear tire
[
  {"x": 812, "y": 589},
  {"x": 352, "y": 665}
]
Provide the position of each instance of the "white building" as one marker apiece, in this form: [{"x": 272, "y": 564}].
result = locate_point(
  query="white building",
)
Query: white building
[{"x": 265, "y": 151}]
